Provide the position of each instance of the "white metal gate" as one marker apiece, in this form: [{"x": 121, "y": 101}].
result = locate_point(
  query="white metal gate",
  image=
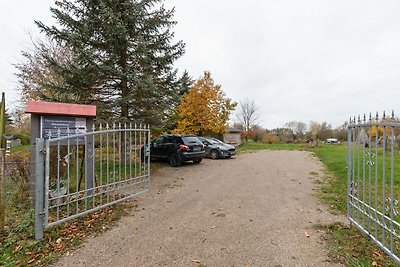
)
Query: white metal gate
[
  {"x": 373, "y": 163},
  {"x": 78, "y": 174}
]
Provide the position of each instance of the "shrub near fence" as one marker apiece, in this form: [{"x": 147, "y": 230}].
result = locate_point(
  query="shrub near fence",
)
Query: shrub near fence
[{"x": 17, "y": 182}]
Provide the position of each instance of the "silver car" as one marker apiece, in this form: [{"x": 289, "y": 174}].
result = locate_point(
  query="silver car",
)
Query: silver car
[{"x": 217, "y": 149}]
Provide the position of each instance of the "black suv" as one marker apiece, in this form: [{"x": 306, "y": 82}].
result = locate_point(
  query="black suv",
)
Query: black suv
[{"x": 177, "y": 148}]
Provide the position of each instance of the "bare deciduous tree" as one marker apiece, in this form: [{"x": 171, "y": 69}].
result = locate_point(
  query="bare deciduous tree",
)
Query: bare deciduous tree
[
  {"x": 298, "y": 128},
  {"x": 36, "y": 74},
  {"x": 247, "y": 114}
]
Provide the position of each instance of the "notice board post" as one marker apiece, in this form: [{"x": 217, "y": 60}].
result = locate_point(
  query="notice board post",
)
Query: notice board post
[{"x": 48, "y": 118}]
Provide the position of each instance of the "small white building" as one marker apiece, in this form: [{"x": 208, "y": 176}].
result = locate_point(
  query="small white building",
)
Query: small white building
[{"x": 232, "y": 136}]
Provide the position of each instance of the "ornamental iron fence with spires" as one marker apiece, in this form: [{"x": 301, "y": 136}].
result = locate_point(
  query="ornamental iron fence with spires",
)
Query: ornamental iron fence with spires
[{"x": 373, "y": 165}]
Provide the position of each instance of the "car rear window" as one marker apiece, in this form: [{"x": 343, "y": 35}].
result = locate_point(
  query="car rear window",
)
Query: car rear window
[{"x": 187, "y": 140}]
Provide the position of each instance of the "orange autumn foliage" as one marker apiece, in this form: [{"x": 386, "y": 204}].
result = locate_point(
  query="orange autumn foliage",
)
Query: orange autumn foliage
[
  {"x": 204, "y": 109},
  {"x": 385, "y": 130}
]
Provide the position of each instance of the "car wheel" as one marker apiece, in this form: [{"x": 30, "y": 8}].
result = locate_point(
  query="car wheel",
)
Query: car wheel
[
  {"x": 197, "y": 161},
  {"x": 214, "y": 154},
  {"x": 175, "y": 160}
]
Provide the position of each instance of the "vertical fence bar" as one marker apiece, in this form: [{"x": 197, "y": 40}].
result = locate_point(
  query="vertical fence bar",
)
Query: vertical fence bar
[
  {"x": 349, "y": 168},
  {"x": 134, "y": 187},
  {"x": 130, "y": 155},
  {"x": 125, "y": 144},
  {"x": 358, "y": 170},
  {"x": 119, "y": 155},
  {"x": 86, "y": 172},
  {"x": 384, "y": 186},
  {"x": 376, "y": 174},
  {"x": 114, "y": 159},
  {"x": 107, "y": 164},
  {"x": 369, "y": 175},
  {"x": 140, "y": 151},
  {"x": 77, "y": 179},
  {"x": 39, "y": 185},
  {"x": 391, "y": 184},
  {"x": 101, "y": 164},
  {"x": 363, "y": 132},
  {"x": 57, "y": 194},
  {"x": 92, "y": 166}
]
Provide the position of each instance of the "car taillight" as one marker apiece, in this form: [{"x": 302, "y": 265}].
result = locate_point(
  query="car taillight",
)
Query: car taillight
[{"x": 183, "y": 147}]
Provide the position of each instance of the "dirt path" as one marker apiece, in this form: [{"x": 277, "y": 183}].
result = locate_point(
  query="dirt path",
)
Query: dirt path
[{"x": 252, "y": 210}]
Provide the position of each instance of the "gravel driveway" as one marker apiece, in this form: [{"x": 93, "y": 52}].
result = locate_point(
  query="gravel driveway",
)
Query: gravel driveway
[{"x": 256, "y": 209}]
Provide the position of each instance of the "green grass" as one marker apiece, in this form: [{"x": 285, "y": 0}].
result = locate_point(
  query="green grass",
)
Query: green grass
[
  {"x": 256, "y": 146},
  {"x": 334, "y": 187},
  {"x": 20, "y": 148}
]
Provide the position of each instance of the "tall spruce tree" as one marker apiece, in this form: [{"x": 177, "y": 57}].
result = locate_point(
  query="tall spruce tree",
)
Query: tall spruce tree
[{"x": 123, "y": 57}]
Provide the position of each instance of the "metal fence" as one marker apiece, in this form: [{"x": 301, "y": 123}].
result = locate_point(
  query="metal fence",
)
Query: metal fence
[
  {"x": 373, "y": 163},
  {"x": 78, "y": 174}
]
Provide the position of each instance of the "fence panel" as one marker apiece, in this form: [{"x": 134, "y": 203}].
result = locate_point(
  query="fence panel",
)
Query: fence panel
[
  {"x": 90, "y": 171},
  {"x": 373, "y": 163}
]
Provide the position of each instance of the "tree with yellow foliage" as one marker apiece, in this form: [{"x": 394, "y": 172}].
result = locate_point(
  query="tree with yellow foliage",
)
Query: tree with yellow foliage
[
  {"x": 205, "y": 109},
  {"x": 385, "y": 130}
]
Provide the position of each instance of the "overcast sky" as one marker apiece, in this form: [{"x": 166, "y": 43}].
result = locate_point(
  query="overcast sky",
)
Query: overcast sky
[{"x": 298, "y": 60}]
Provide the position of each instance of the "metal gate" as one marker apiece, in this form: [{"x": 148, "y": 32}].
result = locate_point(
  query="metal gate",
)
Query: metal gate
[
  {"x": 373, "y": 163},
  {"x": 80, "y": 173}
]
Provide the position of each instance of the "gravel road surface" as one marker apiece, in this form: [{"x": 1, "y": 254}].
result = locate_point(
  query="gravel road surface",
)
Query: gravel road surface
[{"x": 256, "y": 209}]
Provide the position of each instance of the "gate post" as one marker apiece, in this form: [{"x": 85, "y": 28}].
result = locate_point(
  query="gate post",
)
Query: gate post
[{"x": 39, "y": 185}]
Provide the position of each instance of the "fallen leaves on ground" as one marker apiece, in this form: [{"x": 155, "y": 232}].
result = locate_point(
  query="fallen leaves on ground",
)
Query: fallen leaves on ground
[{"x": 60, "y": 239}]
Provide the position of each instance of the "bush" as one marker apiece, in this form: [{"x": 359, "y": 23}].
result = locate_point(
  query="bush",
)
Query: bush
[
  {"x": 270, "y": 138},
  {"x": 17, "y": 180},
  {"x": 25, "y": 138}
]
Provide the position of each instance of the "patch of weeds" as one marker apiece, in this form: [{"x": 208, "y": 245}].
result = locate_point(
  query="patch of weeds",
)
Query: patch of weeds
[
  {"x": 351, "y": 247},
  {"x": 314, "y": 173},
  {"x": 332, "y": 193},
  {"x": 318, "y": 181}
]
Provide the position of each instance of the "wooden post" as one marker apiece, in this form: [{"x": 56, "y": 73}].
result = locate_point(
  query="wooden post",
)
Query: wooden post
[
  {"x": 2, "y": 163},
  {"x": 2, "y": 190}
]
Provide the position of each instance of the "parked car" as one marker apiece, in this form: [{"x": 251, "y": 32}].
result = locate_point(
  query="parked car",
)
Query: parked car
[
  {"x": 217, "y": 149},
  {"x": 177, "y": 149},
  {"x": 332, "y": 141}
]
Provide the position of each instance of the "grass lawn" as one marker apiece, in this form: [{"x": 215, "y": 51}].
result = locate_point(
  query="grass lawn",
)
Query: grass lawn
[
  {"x": 347, "y": 244},
  {"x": 255, "y": 146}
]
